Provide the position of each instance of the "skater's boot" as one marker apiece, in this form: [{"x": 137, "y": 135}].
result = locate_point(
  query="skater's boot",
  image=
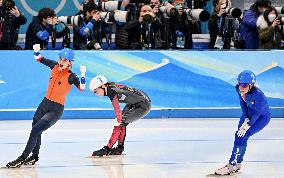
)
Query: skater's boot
[
  {"x": 117, "y": 150},
  {"x": 16, "y": 163},
  {"x": 31, "y": 160},
  {"x": 226, "y": 170},
  {"x": 104, "y": 151}
]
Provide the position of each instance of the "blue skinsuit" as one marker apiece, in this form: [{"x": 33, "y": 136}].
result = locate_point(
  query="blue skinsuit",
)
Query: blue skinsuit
[{"x": 257, "y": 110}]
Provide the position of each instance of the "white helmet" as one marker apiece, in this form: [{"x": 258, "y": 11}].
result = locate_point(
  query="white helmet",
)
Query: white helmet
[{"x": 97, "y": 81}]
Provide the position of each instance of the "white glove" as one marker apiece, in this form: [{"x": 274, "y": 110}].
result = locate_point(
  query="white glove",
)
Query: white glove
[
  {"x": 36, "y": 48},
  {"x": 244, "y": 128},
  {"x": 83, "y": 70},
  {"x": 116, "y": 123}
]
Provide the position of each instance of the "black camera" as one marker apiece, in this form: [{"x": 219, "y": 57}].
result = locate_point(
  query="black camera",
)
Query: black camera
[
  {"x": 148, "y": 19},
  {"x": 8, "y": 5},
  {"x": 234, "y": 12}
]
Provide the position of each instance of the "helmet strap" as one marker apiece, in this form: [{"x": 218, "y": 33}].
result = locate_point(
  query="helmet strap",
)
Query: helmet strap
[
  {"x": 251, "y": 86},
  {"x": 105, "y": 89}
]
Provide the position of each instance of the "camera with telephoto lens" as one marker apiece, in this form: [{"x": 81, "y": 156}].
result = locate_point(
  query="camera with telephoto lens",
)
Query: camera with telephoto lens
[
  {"x": 114, "y": 5},
  {"x": 170, "y": 11},
  {"x": 280, "y": 10},
  {"x": 116, "y": 16},
  {"x": 231, "y": 11},
  {"x": 108, "y": 6},
  {"x": 281, "y": 18},
  {"x": 198, "y": 14},
  {"x": 234, "y": 12},
  {"x": 71, "y": 20},
  {"x": 8, "y": 5}
]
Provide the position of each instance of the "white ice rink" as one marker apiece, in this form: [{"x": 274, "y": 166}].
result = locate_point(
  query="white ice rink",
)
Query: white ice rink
[{"x": 155, "y": 148}]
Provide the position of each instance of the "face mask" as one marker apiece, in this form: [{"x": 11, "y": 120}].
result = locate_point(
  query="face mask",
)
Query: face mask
[{"x": 271, "y": 17}]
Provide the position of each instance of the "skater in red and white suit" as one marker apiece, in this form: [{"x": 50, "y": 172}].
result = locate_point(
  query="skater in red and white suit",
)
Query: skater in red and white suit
[{"x": 137, "y": 106}]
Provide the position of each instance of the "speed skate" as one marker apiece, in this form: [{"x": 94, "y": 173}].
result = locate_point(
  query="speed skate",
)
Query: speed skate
[{"x": 106, "y": 156}]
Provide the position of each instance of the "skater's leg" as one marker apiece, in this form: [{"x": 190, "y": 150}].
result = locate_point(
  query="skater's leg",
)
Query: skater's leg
[
  {"x": 122, "y": 136},
  {"x": 40, "y": 112},
  {"x": 114, "y": 136},
  {"x": 46, "y": 122},
  {"x": 36, "y": 149},
  {"x": 240, "y": 145},
  {"x": 37, "y": 129},
  {"x": 258, "y": 126},
  {"x": 136, "y": 112},
  {"x": 130, "y": 114},
  {"x": 120, "y": 146},
  {"x": 58, "y": 109},
  {"x": 106, "y": 149}
]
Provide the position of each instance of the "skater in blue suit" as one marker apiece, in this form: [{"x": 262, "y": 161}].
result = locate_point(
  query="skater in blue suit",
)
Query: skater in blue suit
[{"x": 255, "y": 116}]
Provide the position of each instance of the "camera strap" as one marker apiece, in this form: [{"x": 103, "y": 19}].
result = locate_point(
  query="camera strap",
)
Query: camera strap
[{"x": 220, "y": 25}]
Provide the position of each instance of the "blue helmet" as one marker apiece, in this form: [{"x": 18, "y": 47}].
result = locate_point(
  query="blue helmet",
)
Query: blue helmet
[
  {"x": 67, "y": 54},
  {"x": 247, "y": 76}
]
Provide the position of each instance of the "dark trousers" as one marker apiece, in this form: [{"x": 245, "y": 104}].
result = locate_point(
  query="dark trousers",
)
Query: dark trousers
[
  {"x": 130, "y": 113},
  {"x": 46, "y": 115}
]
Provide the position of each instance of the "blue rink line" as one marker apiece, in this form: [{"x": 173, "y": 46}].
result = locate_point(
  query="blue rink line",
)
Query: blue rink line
[
  {"x": 260, "y": 161},
  {"x": 135, "y": 141},
  {"x": 95, "y": 113}
]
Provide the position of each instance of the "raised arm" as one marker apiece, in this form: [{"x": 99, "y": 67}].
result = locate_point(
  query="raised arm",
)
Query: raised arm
[{"x": 49, "y": 63}]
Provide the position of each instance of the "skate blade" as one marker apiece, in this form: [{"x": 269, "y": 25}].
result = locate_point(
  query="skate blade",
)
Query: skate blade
[
  {"x": 219, "y": 175},
  {"x": 21, "y": 167},
  {"x": 106, "y": 156},
  {"x": 5, "y": 167}
]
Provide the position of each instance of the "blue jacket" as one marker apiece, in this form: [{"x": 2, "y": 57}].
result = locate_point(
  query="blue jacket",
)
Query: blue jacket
[
  {"x": 255, "y": 106},
  {"x": 248, "y": 29}
]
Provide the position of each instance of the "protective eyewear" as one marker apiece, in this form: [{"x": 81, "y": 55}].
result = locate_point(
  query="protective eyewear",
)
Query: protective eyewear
[{"x": 243, "y": 85}]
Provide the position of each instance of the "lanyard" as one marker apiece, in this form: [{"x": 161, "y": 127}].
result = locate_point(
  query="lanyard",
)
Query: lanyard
[{"x": 219, "y": 25}]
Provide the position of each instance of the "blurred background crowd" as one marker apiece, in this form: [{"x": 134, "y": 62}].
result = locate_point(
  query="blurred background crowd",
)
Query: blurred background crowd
[{"x": 142, "y": 24}]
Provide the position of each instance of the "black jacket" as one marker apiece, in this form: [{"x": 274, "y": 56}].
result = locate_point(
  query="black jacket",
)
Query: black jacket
[
  {"x": 141, "y": 38},
  {"x": 10, "y": 29}
]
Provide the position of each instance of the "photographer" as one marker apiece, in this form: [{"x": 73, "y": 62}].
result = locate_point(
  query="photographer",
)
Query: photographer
[
  {"x": 41, "y": 28},
  {"x": 180, "y": 26},
  {"x": 270, "y": 34},
  {"x": 248, "y": 28},
  {"x": 86, "y": 33},
  {"x": 10, "y": 21},
  {"x": 222, "y": 25},
  {"x": 146, "y": 27},
  {"x": 162, "y": 35},
  {"x": 121, "y": 35}
]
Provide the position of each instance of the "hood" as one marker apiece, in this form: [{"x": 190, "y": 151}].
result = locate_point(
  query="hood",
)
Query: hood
[{"x": 261, "y": 23}]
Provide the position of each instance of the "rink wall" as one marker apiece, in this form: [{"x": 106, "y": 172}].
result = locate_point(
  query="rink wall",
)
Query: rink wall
[
  {"x": 181, "y": 84},
  {"x": 165, "y": 113}
]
